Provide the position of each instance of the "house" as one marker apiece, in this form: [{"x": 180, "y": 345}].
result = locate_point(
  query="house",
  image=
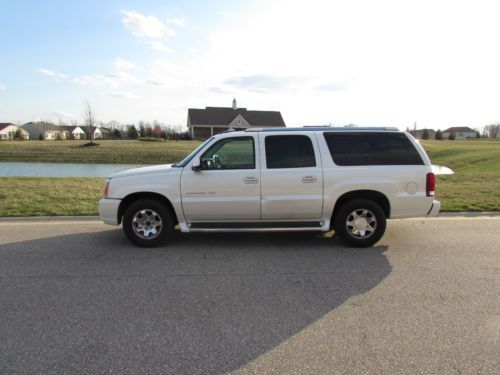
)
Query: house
[
  {"x": 8, "y": 132},
  {"x": 96, "y": 132},
  {"x": 46, "y": 131},
  {"x": 461, "y": 132},
  {"x": 419, "y": 133},
  {"x": 75, "y": 132},
  {"x": 203, "y": 123}
]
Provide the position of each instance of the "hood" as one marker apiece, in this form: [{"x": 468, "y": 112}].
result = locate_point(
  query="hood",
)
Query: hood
[{"x": 143, "y": 170}]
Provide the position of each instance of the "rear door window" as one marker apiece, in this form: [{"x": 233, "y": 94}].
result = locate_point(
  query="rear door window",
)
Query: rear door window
[
  {"x": 365, "y": 148},
  {"x": 289, "y": 151}
]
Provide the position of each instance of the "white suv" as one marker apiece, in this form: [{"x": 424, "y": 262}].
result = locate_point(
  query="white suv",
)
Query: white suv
[{"x": 285, "y": 179}]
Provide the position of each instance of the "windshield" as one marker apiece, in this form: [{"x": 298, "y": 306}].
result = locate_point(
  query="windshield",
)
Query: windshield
[{"x": 188, "y": 158}]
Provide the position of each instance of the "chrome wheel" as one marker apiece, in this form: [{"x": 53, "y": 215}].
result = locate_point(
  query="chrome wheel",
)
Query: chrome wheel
[
  {"x": 361, "y": 223},
  {"x": 147, "y": 224}
]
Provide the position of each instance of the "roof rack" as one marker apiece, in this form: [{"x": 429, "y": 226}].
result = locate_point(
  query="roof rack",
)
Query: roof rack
[{"x": 325, "y": 128}]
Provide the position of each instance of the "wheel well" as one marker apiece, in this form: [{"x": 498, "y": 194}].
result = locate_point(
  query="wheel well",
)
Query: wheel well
[
  {"x": 373, "y": 195},
  {"x": 129, "y": 199}
]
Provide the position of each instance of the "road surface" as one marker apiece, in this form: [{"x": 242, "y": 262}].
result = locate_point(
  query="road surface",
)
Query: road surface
[{"x": 76, "y": 297}]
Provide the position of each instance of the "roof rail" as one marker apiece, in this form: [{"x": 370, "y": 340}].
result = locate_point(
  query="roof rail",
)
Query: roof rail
[{"x": 325, "y": 128}]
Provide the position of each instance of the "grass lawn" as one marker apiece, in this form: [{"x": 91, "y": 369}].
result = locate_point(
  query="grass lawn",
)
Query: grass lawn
[
  {"x": 112, "y": 152},
  {"x": 475, "y": 186},
  {"x": 49, "y": 196}
]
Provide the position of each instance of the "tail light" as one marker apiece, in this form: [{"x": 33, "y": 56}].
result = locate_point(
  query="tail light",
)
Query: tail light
[
  {"x": 430, "y": 184},
  {"x": 106, "y": 189}
]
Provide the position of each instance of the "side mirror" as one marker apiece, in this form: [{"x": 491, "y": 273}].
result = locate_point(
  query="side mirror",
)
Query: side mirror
[{"x": 196, "y": 166}]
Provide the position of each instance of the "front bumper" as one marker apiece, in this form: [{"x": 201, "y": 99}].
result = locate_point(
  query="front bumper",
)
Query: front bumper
[
  {"x": 434, "y": 211},
  {"x": 108, "y": 210}
]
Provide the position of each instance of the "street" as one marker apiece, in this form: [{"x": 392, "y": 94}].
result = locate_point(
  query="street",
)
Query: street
[{"x": 76, "y": 297}]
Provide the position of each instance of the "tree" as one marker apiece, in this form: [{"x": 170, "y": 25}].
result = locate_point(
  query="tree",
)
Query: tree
[
  {"x": 491, "y": 130},
  {"x": 132, "y": 132},
  {"x": 116, "y": 133},
  {"x": 425, "y": 134},
  {"x": 90, "y": 121},
  {"x": 18, "y": 135},
  {"x": 451, "y": 137},
  {"x": 439, "y": 135}
]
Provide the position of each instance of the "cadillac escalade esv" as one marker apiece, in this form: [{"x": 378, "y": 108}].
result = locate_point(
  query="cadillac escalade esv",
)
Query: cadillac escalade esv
[{"x": 347, "y": 179}]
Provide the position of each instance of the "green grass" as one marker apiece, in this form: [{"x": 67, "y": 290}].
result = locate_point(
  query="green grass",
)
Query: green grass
[
  {"x": 49, "y": 196},
  {"x": 112, "y": 152},
  {"x": 475, "y": 186}
]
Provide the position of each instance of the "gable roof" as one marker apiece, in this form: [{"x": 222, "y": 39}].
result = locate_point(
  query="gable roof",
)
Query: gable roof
[
  {"x": 42, "y": 126},
  {"x": 70, "y": 128},
  {"x": 224, "y": 116},
  {"x": 459, "y": 129},
  {"x": 3, "y": 125}
]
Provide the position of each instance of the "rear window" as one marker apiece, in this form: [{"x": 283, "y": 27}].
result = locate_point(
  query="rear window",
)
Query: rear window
[
  {"x": 372, "y": 149},
  {"x": 289, "y": 151}
]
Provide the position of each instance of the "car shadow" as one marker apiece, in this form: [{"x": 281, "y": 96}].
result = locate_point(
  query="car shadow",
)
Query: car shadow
[{"x": 205, "y": 303}]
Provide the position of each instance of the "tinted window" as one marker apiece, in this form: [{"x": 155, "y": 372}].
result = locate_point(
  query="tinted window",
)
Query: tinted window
[
  {"x": 230, "y": 153},
  {"x": 289, "y": 151},
  {"x": 372, "y": 149}
]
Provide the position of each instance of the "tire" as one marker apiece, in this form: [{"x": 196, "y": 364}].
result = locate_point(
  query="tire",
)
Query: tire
[
  {"x": 360, "y": 223},
  {"x": 148, "y": 223}
]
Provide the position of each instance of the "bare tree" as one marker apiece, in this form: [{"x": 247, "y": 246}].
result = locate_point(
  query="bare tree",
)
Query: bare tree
[
  {"x": 90, "y": 120},
  {"x": 491, "y": 130}
]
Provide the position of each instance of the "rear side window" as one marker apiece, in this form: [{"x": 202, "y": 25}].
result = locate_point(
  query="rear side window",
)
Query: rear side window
[
  {"x": 372, "y": 149},
  {"x": 289, "y": 151}
]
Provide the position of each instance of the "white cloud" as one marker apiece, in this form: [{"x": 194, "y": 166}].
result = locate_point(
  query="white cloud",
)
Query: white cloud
[
  {"x": 51, "y": 73},
  {"x": 61, "y": 115},
  {"x": 2, "y": 87},
  {"x": 145, "y": 26},
  {"x": 179, "y": 22},
  {"x": 121, "y": 94},
  {"x": 158, "y": 46},
  {"x": 113, "y": 80},
  {"x": 123, "y": 64}
]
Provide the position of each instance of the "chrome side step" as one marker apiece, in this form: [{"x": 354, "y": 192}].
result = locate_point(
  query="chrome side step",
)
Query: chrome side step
[{"x": 261, "y": 226}]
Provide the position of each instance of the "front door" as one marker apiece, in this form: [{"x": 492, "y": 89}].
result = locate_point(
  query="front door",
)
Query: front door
[{"x": 227, "y": 188}]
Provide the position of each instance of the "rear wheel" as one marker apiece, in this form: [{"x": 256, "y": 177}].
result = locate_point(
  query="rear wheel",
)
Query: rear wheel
[
  {"x": 360, "y": 223},
  {"x": 148, "y": 223}
]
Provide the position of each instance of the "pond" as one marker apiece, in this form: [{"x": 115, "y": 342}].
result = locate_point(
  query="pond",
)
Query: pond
[{"x": 15, "y": 169}]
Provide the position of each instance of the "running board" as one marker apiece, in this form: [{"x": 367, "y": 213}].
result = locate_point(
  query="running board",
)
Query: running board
[{"x": 272, "y": 226}]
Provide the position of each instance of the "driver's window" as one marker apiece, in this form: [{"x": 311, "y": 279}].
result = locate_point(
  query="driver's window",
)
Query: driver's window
[{"x": 230, "y": 153}]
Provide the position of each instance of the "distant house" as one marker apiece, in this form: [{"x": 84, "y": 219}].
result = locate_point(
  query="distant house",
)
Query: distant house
[
  {"x": 203, "y": 123},
  {"x": 461, "y": 132},
  {"x": 8, "y": 132},
  {"x": 419, "y": 133},
  {"x": 75, "y": 132},
  {"x": 45, "y": 131}
]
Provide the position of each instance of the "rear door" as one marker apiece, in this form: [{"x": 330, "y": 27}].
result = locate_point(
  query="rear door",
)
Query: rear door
[{"x": 291, "y": 177}]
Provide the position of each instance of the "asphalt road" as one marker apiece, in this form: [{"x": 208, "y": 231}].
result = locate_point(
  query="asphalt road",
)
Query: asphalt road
[{"x": 76, "y": 297}]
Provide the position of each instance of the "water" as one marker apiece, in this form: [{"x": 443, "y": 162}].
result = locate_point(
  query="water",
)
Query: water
[{"x": 8, "y": 169}]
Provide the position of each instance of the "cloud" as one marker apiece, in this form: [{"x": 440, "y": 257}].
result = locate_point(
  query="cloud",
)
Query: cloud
[
  {"x": 263, "y": 82},
  {"x": 158, "y": 46},
  {"x": 2, "y": 87},
  {"x": 51, "y": 73},
  {"x": 179, "y": 22},
  {"x": 114, "y": 80},
  {"x": 61, "y": 115},
  {"x": 145, "y": 26},
  {"x": 124, "y": 64},
  {"x": 121, "y": 94}
]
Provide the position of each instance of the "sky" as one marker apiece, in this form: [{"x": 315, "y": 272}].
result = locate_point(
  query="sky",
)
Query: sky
[{"x": 393, "y": 63}]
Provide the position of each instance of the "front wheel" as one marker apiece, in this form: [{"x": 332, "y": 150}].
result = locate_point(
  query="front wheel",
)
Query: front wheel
[
  {"x": 148, "y": 223},
  {"x": 360, "y": 223}
]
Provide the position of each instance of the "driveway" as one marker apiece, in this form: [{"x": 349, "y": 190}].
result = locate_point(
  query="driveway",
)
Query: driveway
[{"x": 76, "y": 297}]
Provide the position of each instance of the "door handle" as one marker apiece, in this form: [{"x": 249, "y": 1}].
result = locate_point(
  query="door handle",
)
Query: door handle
[
  {"x": 250, "y": 180},
  {"x": 309, "y": 179}
]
